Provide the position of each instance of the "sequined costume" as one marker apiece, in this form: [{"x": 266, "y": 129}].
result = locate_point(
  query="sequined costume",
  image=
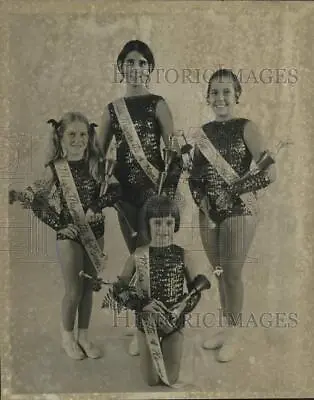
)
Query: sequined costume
[
  {"x": 168, "y": 274},
  {"x": 88, "y": 189},
  {"x": 135, "y": 184},
  {"x": 227, "y": 137},
  {"x": 167, "y": 277}
]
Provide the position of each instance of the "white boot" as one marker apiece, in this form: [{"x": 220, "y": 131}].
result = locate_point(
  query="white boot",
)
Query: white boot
[
  {"x": 134, "y": 347},
  {"x": 70, "y": 346},
  {"x": 231, "y": 344},
  {"x": 215, "y": 342},
  {"x": 87, "y": 346},
  {"x": 218, "y": 339}
]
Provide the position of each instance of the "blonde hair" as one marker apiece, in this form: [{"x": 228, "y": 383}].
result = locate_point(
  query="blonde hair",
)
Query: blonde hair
[{"x": 92, "y": 153}]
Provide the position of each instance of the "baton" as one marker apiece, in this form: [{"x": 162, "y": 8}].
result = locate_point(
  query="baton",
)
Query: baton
[{"x": 82, "y": 274}]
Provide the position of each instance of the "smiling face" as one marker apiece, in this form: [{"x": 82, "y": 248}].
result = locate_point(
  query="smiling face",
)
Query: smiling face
[
  {"x": 135, "y": 68},
  {"x": 75, "y": 140},
  {"x": 222, "y": 98},
  {"x": 162, "y": 230}
]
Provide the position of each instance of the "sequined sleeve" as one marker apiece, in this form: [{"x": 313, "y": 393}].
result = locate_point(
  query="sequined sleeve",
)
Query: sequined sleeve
[
  {"x": 127, "y": 297},
  {"x": 40, "y": 205},
  {"x": 173, "y": 177},
  {"x": 251, "y": 184},
  {"x": 112, "y": 195},
  {"x": 197, "y": 179},
  {"x": 45, "y": 212}
]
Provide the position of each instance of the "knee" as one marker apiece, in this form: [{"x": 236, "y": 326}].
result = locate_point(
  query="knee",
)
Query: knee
[
  {"x": 232, "y": 278},
  {"x": 150, "y": 376},
  {"x": 73, "y": 295},
  {"x": 173, "y": 376},
  {"x": 152, "y": 380},
  {"x": 88, "y": 287}
]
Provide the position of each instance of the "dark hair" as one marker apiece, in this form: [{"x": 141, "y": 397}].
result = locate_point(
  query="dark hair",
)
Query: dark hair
[
  {"x": 142, "y": 48},
  {"x": 225, "y": 73},
  {"x": 159, "y": 207}
]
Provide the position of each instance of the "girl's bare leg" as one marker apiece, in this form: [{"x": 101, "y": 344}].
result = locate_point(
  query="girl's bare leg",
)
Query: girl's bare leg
[
  {"x": 147, "y": 367},
  {"x": 235, "y": 240},
  {"x": 70, "y": 256},
  {"x": 210, "y": 241},
  {"x": 236, "y": 236},
  {"x": 136, "y": 219},
  {"x": 172, "y": 347},
  {"x": 85, "y": 308}
]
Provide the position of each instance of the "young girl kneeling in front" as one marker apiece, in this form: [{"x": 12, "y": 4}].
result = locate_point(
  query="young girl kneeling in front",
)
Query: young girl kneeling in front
[{"x": 162, "y": 268}]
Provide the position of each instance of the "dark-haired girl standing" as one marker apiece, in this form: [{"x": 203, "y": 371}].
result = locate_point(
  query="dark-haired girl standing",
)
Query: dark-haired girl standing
[
  {"x": 226, "y": 147},
  {"x": 138, "y": 121}
]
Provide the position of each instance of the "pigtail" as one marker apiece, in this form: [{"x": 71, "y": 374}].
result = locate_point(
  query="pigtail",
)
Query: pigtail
[
  {"x": 94, "y": 154},
  {"x": 92, "y": 127},
  {"x": 55, "y": 124},
  {"x": 55, "y": 148}
]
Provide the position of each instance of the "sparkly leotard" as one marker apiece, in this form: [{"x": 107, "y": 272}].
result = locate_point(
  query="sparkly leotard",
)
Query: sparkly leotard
[
  {"x": 136, "y": 186},
  {"x": 167, "y": 277},
  {"x": 227, "y": 137},
  {"x": 88, "y": 189}
]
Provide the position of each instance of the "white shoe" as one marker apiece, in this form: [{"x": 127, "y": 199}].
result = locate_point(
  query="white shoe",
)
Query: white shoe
[
  {"x": 215, "y": 342},
  {"x": 230, "y": 347},
  {"x": 133, "y": 347},
  {"x": 72, "y": 349},
  {"x": 90, "y": 349}
]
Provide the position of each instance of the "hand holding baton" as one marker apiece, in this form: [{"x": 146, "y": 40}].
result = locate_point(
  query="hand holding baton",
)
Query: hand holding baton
[
  {"x": 109, "y": 168},
  {"x": 200, "y": 283},
  {"x": 97, "y": 282},
  {"x": 186, "y": 149},
  {"x": 205, "y": 207},
  {"x": 266, "y": 159},
  {"x": 168, "y": 157},
  {"x": 24, "y": 197},
  {"x": 82, "y": 274}
]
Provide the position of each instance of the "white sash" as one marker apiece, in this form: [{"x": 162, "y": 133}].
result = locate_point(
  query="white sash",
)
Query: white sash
[
  {"x": 223, "y": 168},
  {"x": 133, "y": 140},
  {"x": 76, "y": 210},
  {"x": 149, "y": 324}
]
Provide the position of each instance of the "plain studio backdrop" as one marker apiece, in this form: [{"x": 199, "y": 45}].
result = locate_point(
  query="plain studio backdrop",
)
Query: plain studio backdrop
[{"x": 62, "y": 58}]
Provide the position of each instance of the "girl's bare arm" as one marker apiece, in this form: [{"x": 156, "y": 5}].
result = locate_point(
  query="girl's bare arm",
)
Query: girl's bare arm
[{"x": 105, "y": 133}]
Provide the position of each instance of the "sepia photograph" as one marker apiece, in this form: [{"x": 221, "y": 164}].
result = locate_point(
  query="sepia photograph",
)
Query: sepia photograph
[{"x": 157, "y": 187}]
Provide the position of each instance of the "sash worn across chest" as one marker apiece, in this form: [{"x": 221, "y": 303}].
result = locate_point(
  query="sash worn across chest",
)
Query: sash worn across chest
[
  {"x": 149, "y": 324},
  {"x": 134, "y": 143},
  {"x": 76, "y": 210},
  {"x": 224, "y": 169}
]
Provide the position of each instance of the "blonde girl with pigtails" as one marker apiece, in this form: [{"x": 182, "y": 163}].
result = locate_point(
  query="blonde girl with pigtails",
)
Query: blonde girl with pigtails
[{"x": 75, "y": 169}]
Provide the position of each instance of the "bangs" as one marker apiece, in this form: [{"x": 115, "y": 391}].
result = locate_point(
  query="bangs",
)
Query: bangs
[{"x": 162, "y": 207}]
